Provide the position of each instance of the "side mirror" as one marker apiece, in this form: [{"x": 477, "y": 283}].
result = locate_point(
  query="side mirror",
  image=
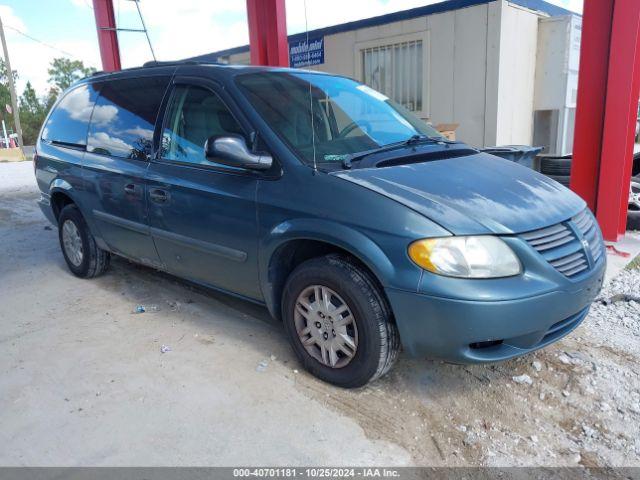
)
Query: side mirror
[{"x": 233, "y": 151}]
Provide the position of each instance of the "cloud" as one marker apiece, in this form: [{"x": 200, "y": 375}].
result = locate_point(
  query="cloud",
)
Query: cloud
[
  {"x": 10, "y": 18},
  {"x": 138, "y": 131},
  {"x": 115, "y": 146},
  {"x": 77, "y": 103},
  {"x": 103, "y": 115},
  {"x": 573, "y": 5}
]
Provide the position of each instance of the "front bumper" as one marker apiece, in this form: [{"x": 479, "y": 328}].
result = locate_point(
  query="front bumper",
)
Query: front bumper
[{"x": 468, "y": 331}]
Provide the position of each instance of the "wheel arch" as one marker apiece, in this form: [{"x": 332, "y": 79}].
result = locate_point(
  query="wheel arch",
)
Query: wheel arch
[
  {"x": 292, "y": 243},
  {"x": 60, "y": 195}
]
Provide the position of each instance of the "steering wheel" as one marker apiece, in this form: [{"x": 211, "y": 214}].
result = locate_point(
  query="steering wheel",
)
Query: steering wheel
[{"x": 352, "y": 126}]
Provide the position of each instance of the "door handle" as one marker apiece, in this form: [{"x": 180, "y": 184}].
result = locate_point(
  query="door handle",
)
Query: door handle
[
  {"x": 159, "y": 196},
  {"x": 130, "y": 189}
]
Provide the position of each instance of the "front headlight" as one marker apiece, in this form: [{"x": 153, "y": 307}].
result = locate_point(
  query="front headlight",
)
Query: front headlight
[{"x": 466, "y": 257}]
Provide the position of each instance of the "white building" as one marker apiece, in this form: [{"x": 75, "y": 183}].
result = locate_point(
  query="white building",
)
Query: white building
[{"x": 493, "y": 66}]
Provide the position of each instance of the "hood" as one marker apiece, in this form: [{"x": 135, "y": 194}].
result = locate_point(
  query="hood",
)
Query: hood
[{"x": 476, "y": 194}]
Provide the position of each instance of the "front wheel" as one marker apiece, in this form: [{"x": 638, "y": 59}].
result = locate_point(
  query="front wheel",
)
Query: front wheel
[{"x": 338, "y": 322}]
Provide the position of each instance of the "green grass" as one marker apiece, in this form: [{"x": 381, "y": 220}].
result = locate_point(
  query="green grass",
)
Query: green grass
[{"x": 634, "y": 264}]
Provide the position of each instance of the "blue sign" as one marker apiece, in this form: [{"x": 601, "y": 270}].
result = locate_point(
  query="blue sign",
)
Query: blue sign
[{"x": 304, "y": 54}]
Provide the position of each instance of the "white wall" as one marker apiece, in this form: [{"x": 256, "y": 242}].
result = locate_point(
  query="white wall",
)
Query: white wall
[{"x": 516, "y": 81}]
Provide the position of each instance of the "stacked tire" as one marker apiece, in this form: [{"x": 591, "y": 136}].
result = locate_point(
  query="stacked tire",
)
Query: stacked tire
[
  {"x": 557, "y": 168},
  {"x": 633, "y": 214}
]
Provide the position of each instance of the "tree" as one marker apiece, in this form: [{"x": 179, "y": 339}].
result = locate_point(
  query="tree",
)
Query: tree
[
  {"x": 5, "y": 95},
  {"x": 50, "y": 99},
  {"x": 63, "y": 72},
  {"x": 29, "y": 101},
  {"x": 32, "y": 114}
]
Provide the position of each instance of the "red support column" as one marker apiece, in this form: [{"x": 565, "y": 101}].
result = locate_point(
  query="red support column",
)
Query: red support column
[
  {"x": 107, "y": 35},
  {"x": 592, "y": 90},
  {"x": 268, "y": 32},
  {"x": 621, "y": 105},
  {"x": 633, "y": 118},
  {"x": 608, "y": 91}
]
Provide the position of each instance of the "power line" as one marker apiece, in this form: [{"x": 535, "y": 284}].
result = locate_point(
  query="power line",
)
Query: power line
[{"x": 48, "y": 45}]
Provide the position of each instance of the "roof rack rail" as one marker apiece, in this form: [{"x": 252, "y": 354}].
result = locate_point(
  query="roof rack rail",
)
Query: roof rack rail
[{"x": 154, "y": 63}]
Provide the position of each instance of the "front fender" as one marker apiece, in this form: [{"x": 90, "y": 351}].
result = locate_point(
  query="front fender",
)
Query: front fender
[
  {"x": 334, "y": 233},
  {"x": 396, "y": 273}
]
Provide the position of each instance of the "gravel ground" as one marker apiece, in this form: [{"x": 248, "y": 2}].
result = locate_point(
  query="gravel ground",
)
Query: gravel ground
[{"x": 84, "y": 381}]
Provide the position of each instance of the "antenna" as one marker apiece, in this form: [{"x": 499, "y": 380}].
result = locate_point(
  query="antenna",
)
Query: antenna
[{"x": 313, "y": 128}]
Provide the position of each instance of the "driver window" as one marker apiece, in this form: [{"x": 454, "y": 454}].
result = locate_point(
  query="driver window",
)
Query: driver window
[{"x": 194, "y": 114}]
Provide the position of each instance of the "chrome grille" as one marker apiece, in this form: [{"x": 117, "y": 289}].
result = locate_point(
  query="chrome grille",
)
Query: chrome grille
[
  {"x": 585, "y": 222},
  {"x": 561, "y": 247}
]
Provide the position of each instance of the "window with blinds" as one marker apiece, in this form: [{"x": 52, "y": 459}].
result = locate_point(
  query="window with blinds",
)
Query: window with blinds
[{"x": 397, "y": 71}]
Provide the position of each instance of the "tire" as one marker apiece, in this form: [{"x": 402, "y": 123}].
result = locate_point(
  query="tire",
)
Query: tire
[
  {"x": 633, "y": 213},
  {"x": 92, "y": 261},
  {"x": 636, "y": 166},
  {"x": 563, "y": 179},
  {"x": 555, "y": 166},
  {"x": 377, "y": 340}
]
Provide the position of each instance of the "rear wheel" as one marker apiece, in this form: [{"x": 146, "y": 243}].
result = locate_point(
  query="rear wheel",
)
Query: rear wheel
[
  {"x": 84, "y": 258},
  {"x": 338, "y": 322}
]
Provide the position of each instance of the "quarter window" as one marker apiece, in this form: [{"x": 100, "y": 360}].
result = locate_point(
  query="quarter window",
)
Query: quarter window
[
  {"x": 69, "y": 121},
  {"x": 124, "y": 117},
  {"x": 194, "y": 115}
]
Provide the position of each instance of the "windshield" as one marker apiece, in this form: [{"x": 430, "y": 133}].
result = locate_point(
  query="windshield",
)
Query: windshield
[{"x": 348, "y": 117}]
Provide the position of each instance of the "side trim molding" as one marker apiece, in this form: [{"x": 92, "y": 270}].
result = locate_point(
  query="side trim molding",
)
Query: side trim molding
[
  {"x": 121, "y": 222},
  {"x": 205, "y": 247}
]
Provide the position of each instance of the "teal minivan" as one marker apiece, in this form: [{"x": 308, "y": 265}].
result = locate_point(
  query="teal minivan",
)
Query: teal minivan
[{"x": 351, "y": 220}]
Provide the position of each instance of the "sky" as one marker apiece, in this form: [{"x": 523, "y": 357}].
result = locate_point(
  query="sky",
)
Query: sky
[{"x": 177, "y": 29}]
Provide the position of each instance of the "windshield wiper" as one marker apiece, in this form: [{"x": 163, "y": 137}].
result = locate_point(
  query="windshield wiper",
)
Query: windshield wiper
[{"x": 413, "y": 140}]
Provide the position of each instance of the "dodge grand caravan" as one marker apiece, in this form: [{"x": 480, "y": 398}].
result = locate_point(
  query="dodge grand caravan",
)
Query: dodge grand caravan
[{"x": 350, "y": 219}]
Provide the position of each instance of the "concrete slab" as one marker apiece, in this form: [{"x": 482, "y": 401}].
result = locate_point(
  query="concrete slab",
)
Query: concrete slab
[{"x": 617, "y": 261}]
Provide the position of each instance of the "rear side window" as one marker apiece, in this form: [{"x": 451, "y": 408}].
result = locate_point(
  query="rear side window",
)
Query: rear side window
[
  {"x": 124, "y": 117},
  {"x": 69, "y": 121}
]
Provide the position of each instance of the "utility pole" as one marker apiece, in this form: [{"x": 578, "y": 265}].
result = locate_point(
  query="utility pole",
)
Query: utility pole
[{"x": 12, "y": 87}]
